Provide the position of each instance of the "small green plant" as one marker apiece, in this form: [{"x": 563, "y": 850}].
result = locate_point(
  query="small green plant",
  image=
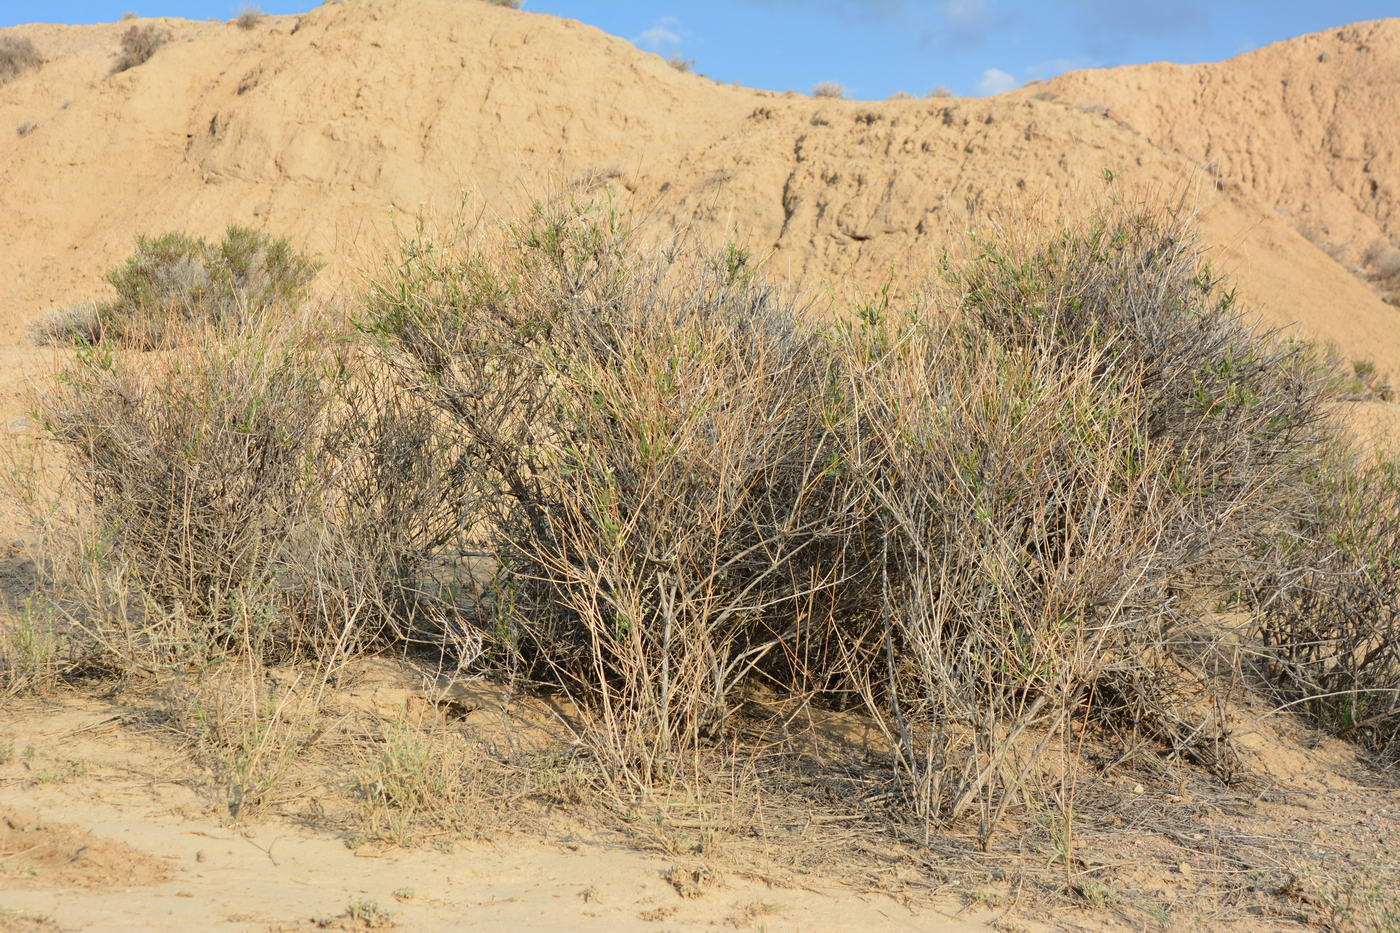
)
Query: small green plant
[
  {"x": 33, "y": 655},
  {"x": 174, "y": 280},
  {"x": 417, "y": 780},
  {"x": 247, "y": 733},
  {"x": 369, "y": 915},
  {"x": 1096, "y": 894},
  {"x": 1361, "y": 908},
  {"x": 17, "y": 55}
]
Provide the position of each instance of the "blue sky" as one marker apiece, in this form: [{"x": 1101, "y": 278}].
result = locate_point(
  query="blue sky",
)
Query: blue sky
[{"x": 876, "y": 47}]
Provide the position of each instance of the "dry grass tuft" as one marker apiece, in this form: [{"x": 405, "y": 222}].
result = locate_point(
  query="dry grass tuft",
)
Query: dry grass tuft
[
  {"x": 17, "y": 55},
  {"x": 829, "y": 89},
  {"x": 249, "y": 18},
  {"x": 138, "y": 44}
]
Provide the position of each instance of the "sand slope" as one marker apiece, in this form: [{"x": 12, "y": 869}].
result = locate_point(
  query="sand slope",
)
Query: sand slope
[
  {"x": 1308, "y": 126},
  {"x": 328, "y": 126}
]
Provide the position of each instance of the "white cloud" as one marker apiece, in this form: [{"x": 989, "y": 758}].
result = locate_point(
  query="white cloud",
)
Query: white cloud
[
  {"x": 664, "y": 32},
  {"x": 995, "y": 81}
]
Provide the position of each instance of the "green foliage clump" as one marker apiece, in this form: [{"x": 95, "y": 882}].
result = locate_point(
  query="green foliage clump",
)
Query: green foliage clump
[{"x": 174, "y": 280}]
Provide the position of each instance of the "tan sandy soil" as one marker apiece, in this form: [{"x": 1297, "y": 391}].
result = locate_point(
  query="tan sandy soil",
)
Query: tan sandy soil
[
  {"x": 1307, "y": 126},
  {"x": 143, "y": 846}
]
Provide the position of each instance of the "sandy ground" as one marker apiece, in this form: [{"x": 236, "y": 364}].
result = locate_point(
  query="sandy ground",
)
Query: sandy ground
[
  {"x": 101, "y": 830},
  {"x": 106, "y": 824}
]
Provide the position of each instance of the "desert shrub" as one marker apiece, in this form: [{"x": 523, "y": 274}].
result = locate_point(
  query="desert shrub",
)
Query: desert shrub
[
  {"x": 174, "y": 280},
  {"x": 17, "y": 55},
  {"x": 34, "y": 653},
  {"x": 512, "y": 4},
  {"x": 978, "y": 517},
  {"x": 78, "y": 324},
  {"x": 249, "y": 18},
  {"x": 829, "y": 89},
  {"x": 901, "y": 95},
  {"x": 138, "y": 44},
  {"x": 940, "y": 91},
  {"x": 25, "y": 128},
  {"x": 681, "y": 63},
  {"x": 1383, "y": 260},
  {"x": 256, "y": 493},
  {"x": 651, "y": 466},
  {"x": 1234, "y": 402},
  {"x": 1328, "y": 603},
  {"x": 977, "y": 523}
]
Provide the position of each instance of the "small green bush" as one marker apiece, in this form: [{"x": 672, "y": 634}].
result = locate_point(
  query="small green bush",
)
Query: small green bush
[
  {"x": 175, "y": 280},
  {"x": 17, "y": 55}
]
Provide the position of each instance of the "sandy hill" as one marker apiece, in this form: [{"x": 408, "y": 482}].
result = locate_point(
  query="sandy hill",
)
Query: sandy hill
[
  {"x": 1308, "y": 126},
  {"x": 328, "y": 126}
]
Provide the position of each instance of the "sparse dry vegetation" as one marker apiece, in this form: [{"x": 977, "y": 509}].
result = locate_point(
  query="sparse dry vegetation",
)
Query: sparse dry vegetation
[
  {"x": 249, "y": 18},
  {"x": 17, "y": 55},
  {"x": 651, "y": 486},
  {"x": 138, "y": 44},
  {"x": 829, "y": 89}
]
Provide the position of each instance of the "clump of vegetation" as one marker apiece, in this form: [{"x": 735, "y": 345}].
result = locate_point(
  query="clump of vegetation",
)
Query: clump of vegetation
[
  {"x": 940, "y": 91},
  {"x": 25, "y": 128},
  {"x": 174, "y": 280},
  {"x": 901, "y": 95},
  {"x": 138, "y": 44},
  {"x": 512, "y": 4},
  {"x": 973, "y": 518},
  {"x": 17, "y": 55},
  {"x": 249, "y": 18},
  {"x": 829, "y": 89},
  {"x": 1328, "y": 603},
  {"x": 681, "y": 63}
]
